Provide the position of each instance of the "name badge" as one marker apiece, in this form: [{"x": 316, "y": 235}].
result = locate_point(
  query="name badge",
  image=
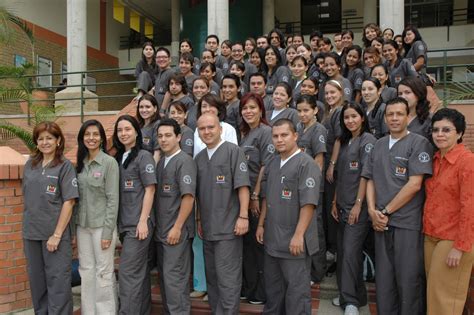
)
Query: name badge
[
  {"x": 166, "y": 188},
  {"x": 400, "y": 171},
  {"x": 286, "y": 194},
  {"x": 51, "y": 189},
  {"x": 354, "y": 165},
  {"x": 97, "y": 174},
  {"x": 128, "y": 184},
  {"x": 146, "y": 140},
  {"x": 220, "y": 179}
]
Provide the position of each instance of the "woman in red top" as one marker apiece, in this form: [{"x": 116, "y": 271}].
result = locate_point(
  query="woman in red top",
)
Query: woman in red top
[{"x": 449, "y": 216}]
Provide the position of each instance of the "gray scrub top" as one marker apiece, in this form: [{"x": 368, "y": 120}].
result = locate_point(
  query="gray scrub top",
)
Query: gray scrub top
[
  {"x": 44, "y": 192},
  {"x": 189, "y": 81},
  {"x": 191, "y": 120},
  {"x": 347, "y": 89},
  {"x": 258, "y": 149},
  {"x": 287, "y": 190},
  {"x": 289, "y": 113},
  {"x": 268, "y": 102},
  {"x": 215, "y": 89},
  {"x": 388, "y": 93},
  {"x": 232, "y": 116},
  {"x": 418, "y": 49},
  {"x": 352, "y": 158},
  {"x": 390, "y": 170},
  {"x": 187, "y": 101},
  {"x": 150, "y": 137},
  {"x": 402, "y": 68},
  {"x": 315, "y": 72},
  {"x": 222, "y": 62},
  {"x": 174, "y": 181},
  {"x": 376, "y": 120},
  {"x": 161, "y": 84},
  {"x": 133, "y": 180},
  {"x": 356, "y": 77},
  {"x": 333, "y": 126},
  {"x": 217, "y": 191},
  {"x": 282, "y": 74},
  {"x": 423, "y": 129},
  {"x": 187, "y": 140}
]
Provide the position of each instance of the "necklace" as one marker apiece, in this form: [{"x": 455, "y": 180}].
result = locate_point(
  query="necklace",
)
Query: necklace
[{"x": 45, "y": 166}]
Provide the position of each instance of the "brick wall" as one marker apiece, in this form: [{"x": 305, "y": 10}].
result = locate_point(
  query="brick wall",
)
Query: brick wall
[{"x": 14, "y": 285}]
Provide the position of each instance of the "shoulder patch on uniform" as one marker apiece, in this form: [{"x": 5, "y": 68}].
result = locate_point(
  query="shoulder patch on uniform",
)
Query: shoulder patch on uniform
[
  {"x": 310, "y": 183},
  {"x": 189, "y": 142},
  {"x": 347, "y": 91},
  {"x": 187, "y": 179},
  {"x": 284, "y": 78},
  {"x": 271, "y": 148},
  {"x": 322, "y": 139},
  {"x": 74, "y": 182},
  {"x": 243, "y": 167},
  {"x": 421, "y": 47},
  {"x": 358, "y": 81},
  {"x": 424, "y": 157},
  {"x": 368, "y": 147},
  {"x": 149, "y": 168}
]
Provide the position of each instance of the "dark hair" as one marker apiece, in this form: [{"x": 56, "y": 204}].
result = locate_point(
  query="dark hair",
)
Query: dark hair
[
  {"x": 263, "y": 36},
  {"x": 261, "y": 55},
  {"x": 179, "y": 106},
  {"x": 240, "y": 65},
  {"x": 164, "y": 49},
  {"x": 314, "y": 80},
  {"x": 351, "y": 33},
  {"x": 392, "y": 43},
  {"x": 398, "y": 100},
  {"x": 371, "y": 50},
  {"x": 227, "y": 42},
  {"x": 234, "y": 78},
  {"x": 202, "y": 78},
  {"x": 214, "y": 101},
  {"x": 326, "y": 40},
  {"x": 358, "y": 49},
  {"x": 148, "y": 67},
  {"x": 208, "y": 50},
  {"x": 237, "y": 43},
  {"x": 299, "y": 57},
  {"x": 244, "y": 127},
  {"x": 334, "y": 56},
  {"x": 172, "y": 123},
  {"x": 318, "y": 34},
  {"x": 346, "y": 133},
  {"x": 378, "y": 39},
  {"x": 415, "y": 31},
  {"x": 120, "y": 148},
  {"x": 388, "y": 29},
  {"x": 379, "y": 102},
  {"x": 213, "y": 36},
  {"x": 285, "y": 121},
  {"x": 204, "y": 65},
  {"x": 288, "y": 38},
  {"x": 187, "y": 56},
  {"x": 152, "y": 100},
  {"x": 385, "y": 68},
  {"x": 278, "y": 58},
  {"x": 311, "y": 101},
  {"x": 82, "y": 151},
  {"x": 418, "y": 88},
  {"x": 55, "y": 130},
  {"x": 188, "y": 41},
  {"x": 180, "y": 79},
  {"x": 298, "y": 35},
  {"x": 252, "y": 41},
  {"x": 280, "y": 36},
  {"x": 287, "y": 88},
  {"x": 454, "y": 116},
  {"x": 258, "y": 74},
  {"x": 377, "y": 31}
]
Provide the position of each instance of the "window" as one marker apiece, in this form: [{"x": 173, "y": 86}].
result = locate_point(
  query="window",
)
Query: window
[
  {"x": 45, "y": 66},
  {"x": 427, "y": 13}
]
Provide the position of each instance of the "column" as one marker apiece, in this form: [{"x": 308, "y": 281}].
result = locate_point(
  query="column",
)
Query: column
[
  {"x": 76, "y": 40},
  {"x": 392, "y": 14},
  {"x": 268, "y": 18},
  {"x": 370, "y": 11},
  {"x": 218, "y": 18},
  {"x": 175, "y": 27}
]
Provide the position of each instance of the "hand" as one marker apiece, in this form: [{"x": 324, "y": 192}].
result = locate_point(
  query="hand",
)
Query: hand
[
  {"x": 174, "y": 235},
  {"x": 142, "y": 230},
  {"x": 254, "y": 207},
  {"x": 74, "y": 242},
  {"x": 330, "y": 174},
  {"x": 335, "y": 212},
  {"x": 354, "y": 214},
  {"x": 241, "y": 226},
  {"x": 259, "y": 234},
  {"x": 53, "y": 243},
  {"x": 379, "y": 221},
  {"x": 454, "y": 258},
  {"x": 199, "y": 228},
  {"x": 297, "y": 245},
  {"x": 104, "y": 244}
]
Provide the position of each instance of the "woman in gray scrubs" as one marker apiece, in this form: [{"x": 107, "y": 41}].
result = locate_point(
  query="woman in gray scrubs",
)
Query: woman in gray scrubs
[
  {"x": 49, "y": 190},
  {"x": 349, "y": 207},
  {"x": 136, "y": 221}
]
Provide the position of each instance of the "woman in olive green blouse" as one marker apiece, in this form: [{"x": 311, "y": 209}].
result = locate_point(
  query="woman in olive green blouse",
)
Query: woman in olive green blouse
[{"x": 96, "y": 219}]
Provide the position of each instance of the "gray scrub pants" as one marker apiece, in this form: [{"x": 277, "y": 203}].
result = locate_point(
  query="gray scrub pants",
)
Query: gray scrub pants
[
  {"x": 50, "y": 277},
  {"x": 174, "y": 266},
  {"x": 330, "y": 225},
  {"x": 223, "y": 261},
  {"x": 399, "y": 271},
  {"x": 318, "y": 259},
  {"x": 287, "y": 283},
  {"x": 144, "y": 82},
  {"x": 134, "y": 275},
  {"x": 350, "y": 277}
]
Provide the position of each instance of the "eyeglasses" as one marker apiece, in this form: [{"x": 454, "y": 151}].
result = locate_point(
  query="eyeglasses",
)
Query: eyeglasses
[
  {"x": 443, "y": 129},
  {"x": 162, "y": 57}
]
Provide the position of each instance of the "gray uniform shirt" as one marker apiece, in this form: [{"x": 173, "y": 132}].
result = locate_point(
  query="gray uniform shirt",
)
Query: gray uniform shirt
[
  {"x": 418, "y": 49},
  {"x": 352, "y": 157},
  {"x": 377, "y": 125},
  {"x": 402, "y": 68},
  {"x": 388, "y": 93},
  {"x": 222, "y": 62},
  {"x": 133, "y": 180},
  {"x": 44, "y": 192},
  {"x": 268, "y": 102},
  {"x": 174, "y": 181},
  {"x": 150, "y": 137},
  {"x": 232, "y": 116},
  {"x": 356, "y": 77},
  {"x": 282, "y": 74},
  {"x": 423, "y": 129},
  {"x": 218, "y": 181},
  {"x": 161, "y": 84},
  {"x": 258, "y": 149},
  {"x": 187, "y": 140},
  {"x": 333, "y": 126},
  {"x": 347, "y": 89},
  {"x": 390, "y": 170},
  {"x": 287, "y": 190},
  {"x": 289, "y": 113}
]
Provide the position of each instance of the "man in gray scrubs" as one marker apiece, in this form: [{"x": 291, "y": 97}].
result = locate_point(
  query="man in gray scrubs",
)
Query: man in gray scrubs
[
  {"x": 174, "y": 198},
  {"x": 396, "y": 169},
  {"x": 258, "y": 85},
  {"x": 222, "y": 216},
  {"x": 163, "y": 60},
  {"x": 287, "y": 226}
]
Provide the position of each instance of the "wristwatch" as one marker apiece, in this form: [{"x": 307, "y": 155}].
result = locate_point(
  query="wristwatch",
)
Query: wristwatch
[
  {"x": 254, "y": 196},
  {"x": 385, "y": 212}
]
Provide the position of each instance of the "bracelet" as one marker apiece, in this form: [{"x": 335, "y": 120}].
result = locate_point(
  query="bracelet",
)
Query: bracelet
[
  {"x": 359, "y": 200},
  {"x": 332, "y": 162},
  {"x": 243, "y": 218},
  {"x": 260, "y": 225},
  {"x": 57, "y": 236}
]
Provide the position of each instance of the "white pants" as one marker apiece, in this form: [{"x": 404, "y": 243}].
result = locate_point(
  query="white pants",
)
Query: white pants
[{"x": 96, "y": 267}]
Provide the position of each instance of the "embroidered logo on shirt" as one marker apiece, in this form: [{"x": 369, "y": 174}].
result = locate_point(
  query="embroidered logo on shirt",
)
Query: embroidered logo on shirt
[
  {"x": 347, "y": 91},
  {"x": 128, "y": 184},
  {"x": 421, "y": 48},
  {"x": 400, "y": 171},
  {"x": 424, "y": 157},
  {"x": 74, "y": 182},
  {"x": 97, "y": 174},
  {"x": 284, "y": 78},
  {"x": 271, "y": 148},
  {"x": 286, "y": 194},
  {"x": 187, "y": 179},
  {"x": 243, "y": 167},
  {"x": 146, "y": 140},
  {"x": 149, "y": 168},
  {"x": 368, "y": 147},
  {"x": 321, "y": 139},
  {"x": 189, "y": 142},
  {"x": 51, "y": 189},
  {"x": 166, "y": 188},
  {"x": 398, "y": 79},
  {"x": 310, "y": 183},
  {"x": 220, "y": 179},
  {"x": 354, "y": 165}
]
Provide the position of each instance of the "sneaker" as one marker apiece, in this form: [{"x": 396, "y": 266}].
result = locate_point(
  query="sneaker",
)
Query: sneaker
[
  {"x": 330, "y": 256},
  {"x": 197, "y": 294},
  {"x": 205, "y": 298},
  {"x": 243, "y": 297},
  {"x": 351, "y": 310},
  {"x": 256, "y": 302},
  {"x": 336, "y": 301}
]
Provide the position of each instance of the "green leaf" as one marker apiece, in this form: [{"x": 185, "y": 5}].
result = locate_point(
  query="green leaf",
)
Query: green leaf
[{"x": 9, "y": 131}]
